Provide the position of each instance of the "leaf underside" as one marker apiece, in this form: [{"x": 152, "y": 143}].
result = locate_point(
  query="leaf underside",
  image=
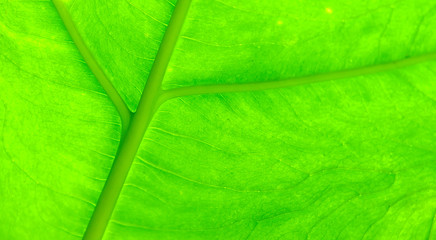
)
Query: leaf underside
[{"x": 218, "y": 119}]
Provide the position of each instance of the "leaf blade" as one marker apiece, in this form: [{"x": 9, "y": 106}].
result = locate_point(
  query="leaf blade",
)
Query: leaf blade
[
  {"x": 59, "y": 131},
  {"x": 344, "y": 159}
]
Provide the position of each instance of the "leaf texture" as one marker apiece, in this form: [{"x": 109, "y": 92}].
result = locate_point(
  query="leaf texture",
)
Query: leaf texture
[{"x": 218, "y": 119}]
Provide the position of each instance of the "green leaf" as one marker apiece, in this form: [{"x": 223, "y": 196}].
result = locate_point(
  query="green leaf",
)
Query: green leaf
[{"x": 218, "y": 119}]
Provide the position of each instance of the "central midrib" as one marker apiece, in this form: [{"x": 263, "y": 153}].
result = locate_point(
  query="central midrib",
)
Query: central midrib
[
  {"x": 137, "y": 127},
  {"x": 136, "y": 124}
]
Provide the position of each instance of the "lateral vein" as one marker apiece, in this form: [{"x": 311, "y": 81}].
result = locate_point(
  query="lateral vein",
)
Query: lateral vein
[
  {"x": 258, "y": 86},
  {"x": 113, "y": 94}
]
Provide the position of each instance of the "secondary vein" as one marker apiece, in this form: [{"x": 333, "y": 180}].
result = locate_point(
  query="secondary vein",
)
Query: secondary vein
[
  {"x": 258, "y": 86},
  {"x": 113, "y": 94}
]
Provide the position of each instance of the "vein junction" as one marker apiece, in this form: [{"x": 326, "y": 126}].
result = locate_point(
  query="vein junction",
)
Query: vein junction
[{"x": 135, "y": 124}]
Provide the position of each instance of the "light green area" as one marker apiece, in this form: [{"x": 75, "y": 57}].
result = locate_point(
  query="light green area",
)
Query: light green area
[
  {"x": 284, "y": 120},
  {"x": 124, "y": 37},
  {"x": 234, "y": 41},
  {"x": 58, "y": 129}
]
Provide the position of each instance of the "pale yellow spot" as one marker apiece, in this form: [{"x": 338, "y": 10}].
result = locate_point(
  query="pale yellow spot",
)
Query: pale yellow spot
[
  {"x": 279, "y": 22},
  {"x": 170, "y": 69},
  {"x": 329, "y": 10}
]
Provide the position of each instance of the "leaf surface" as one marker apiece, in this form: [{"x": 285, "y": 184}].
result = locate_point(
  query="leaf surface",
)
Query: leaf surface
[
  {"x": 59, "y": 130},
  {"x": 251, "y": 120}
]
